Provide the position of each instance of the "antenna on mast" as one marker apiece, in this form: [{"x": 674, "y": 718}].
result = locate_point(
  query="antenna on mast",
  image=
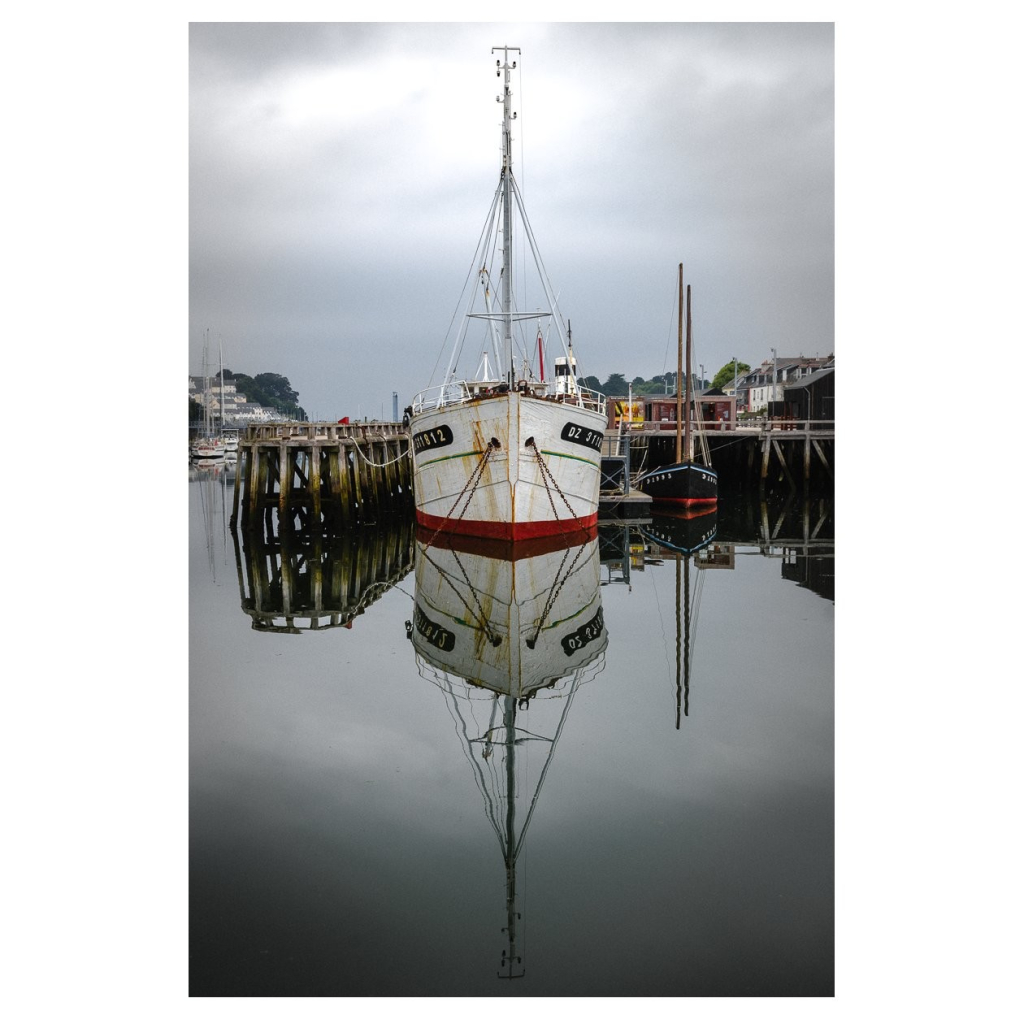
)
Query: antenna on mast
[{"x": 506, "y": 207}]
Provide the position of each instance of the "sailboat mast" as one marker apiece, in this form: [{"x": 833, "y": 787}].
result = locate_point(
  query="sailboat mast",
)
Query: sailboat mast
[
  {"x": 506, "y": 206},
  {"x": 679, "y": 373},
  {"x": 221, "y": 347},
  {"x": 206, "y": 383},
  {"x": 689, "y": 384}
]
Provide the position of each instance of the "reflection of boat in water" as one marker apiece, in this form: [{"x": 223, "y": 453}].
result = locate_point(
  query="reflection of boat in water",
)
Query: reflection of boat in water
[
  {"x": 512, "y": 626},
  {"x": 210, "y": 480},
  {"x": 508, "y": 642},
  {"x": 684, "y": 534}
]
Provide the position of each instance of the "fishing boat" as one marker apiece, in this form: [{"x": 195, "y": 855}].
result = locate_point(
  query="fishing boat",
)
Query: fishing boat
[
  {"x": 507, "y": 454},
  {"x": 685, "y": 482},
  {"x": 508, "y": 640}
]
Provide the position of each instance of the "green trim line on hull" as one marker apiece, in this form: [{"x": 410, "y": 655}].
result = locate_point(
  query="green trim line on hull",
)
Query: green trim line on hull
[
  {"x": 563, "y": 455},
  {"x": 445, "y": 458}
]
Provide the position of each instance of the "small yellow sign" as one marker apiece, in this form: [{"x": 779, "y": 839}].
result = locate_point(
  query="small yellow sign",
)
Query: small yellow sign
[{"x": 631, "y": 414}]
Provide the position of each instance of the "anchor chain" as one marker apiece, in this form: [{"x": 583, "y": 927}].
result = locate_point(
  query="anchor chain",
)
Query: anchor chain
[
  {"x": 550, "y": 481},
  {"x": 473, "y": 481},
  {"x": 471, "y": 485}
]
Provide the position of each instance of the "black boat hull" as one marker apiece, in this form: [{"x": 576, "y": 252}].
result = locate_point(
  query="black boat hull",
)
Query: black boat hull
[{"x": 681, "y": 484}]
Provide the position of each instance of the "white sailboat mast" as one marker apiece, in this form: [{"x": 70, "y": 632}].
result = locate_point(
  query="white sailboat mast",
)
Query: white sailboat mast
[
  {"x": 221, "y": 347},
  {"x": 506, "y": 203}
]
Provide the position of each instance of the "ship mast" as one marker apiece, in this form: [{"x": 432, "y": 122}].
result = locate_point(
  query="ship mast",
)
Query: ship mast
[
  {"x": 689, "y": 382},
  {"x": 505, "y": 99},
  {"x": 679, "y": 373}
]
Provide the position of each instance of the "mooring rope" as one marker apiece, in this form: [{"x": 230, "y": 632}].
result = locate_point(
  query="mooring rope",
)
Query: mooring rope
[{"x": 378, "y": 465}]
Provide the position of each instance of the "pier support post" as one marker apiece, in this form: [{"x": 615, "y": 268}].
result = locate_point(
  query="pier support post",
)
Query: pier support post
[
  {"x": 353, "y": 460},
  {"x": 785, "y": 468},
  {"x": 252, "y": 486},
  {"x": 284, "y": 481},
  {"x": 314, "y": 482},
  {"x": 824, "y": 461}
]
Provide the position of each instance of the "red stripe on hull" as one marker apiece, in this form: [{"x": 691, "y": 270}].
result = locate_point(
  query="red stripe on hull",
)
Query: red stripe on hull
[
  {"x": 685, "y": 501},
  {"x": 506, "y": 531},
  {"x": 506, "y": 550}
]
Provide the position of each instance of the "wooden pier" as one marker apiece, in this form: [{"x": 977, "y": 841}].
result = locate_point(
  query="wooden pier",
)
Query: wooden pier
[
  {"x": 796, "y": 454},
  {"x": 312, "y": 474},
  {"x": 335, "y": 475}
]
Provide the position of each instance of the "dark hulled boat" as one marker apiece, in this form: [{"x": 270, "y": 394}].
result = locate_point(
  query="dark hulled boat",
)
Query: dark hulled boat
[{"x": 685, "y": 482}]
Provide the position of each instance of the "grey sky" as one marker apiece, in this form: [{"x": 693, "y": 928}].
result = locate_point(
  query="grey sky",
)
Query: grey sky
[{"x": 340, "y": 175}]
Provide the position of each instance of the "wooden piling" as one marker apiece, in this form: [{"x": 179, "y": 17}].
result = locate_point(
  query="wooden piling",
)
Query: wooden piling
[
  {"x": 314, "y": 481},
  {"x": 284, "y": 480},
  {"x": 782, "y": 462}
]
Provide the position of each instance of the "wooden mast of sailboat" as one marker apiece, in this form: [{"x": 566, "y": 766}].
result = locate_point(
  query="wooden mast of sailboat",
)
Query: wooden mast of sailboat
[
  {"x": 689, "y": 384},
  {"x": 679, "y": 373}
]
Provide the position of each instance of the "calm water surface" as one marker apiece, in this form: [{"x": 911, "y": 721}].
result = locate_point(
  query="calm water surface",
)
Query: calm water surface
[{"x": 656, "y": 819}]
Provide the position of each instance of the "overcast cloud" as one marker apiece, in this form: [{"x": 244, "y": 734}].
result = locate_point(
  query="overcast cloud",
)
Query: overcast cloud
[{"x": 340, "y": 175}]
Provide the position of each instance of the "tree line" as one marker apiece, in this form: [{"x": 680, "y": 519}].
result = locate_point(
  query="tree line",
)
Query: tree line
[
  {"x": 271, "y": 390},
  {"x": 664, "y": 383}
]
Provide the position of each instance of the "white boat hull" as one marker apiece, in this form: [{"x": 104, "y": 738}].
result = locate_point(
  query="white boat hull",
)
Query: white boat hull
[
  {"x": 208, "y": 452},
  {"x": 509, "y": 466}
]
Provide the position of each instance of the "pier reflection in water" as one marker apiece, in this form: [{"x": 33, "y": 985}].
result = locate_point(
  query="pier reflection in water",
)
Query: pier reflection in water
[
  {"x": 293, "y": 579},
  {"x": 361, "y": 797}
]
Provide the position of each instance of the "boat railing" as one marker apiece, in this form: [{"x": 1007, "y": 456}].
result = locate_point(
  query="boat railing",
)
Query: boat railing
[
  {"x": 461, "y": 391},
  {"x": 591, "y": 399},
  {"x": 454, "y": 393}
]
